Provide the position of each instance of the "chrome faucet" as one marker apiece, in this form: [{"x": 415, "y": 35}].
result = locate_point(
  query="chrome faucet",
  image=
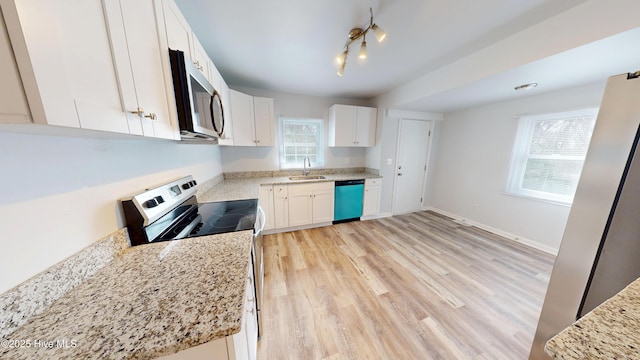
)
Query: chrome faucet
[{"x": 306, "y": 167}]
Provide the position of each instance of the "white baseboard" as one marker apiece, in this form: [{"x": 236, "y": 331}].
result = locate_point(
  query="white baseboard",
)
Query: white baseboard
[
  {"x": 519, "y": 239},
  {"x": 376, "y": 216}
]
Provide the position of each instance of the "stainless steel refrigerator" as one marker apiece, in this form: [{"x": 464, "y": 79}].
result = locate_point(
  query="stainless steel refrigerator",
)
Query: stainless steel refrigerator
[{"x": 600, "y": 250}]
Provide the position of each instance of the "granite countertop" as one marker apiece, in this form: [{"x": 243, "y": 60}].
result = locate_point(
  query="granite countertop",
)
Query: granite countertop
[
  {"x": 154, "y": 300},
  {"x": 610, "y": 331},
  {"x": 248, "y": 188}
]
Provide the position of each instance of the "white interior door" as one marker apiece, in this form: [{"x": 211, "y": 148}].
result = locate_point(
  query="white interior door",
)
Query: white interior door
[{"x": 411, "y": 165}]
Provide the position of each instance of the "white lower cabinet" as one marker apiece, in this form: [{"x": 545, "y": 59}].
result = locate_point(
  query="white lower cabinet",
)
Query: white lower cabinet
[
  {"x": 311, "y": 203},
  {"x": 372, "y": 195},
  {"x": 240, "y": 346},
  {"x": 280, "y": 206},
  {"x": 265, "y": 200}
]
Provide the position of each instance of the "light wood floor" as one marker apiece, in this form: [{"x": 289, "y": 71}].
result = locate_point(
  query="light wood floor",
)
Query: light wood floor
[{"x": 415, "y": 286}]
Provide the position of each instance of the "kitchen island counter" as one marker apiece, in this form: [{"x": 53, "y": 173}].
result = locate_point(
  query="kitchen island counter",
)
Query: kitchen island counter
[
  {"x": 153, "y": 300},
  {"x": 610, "y": 331}
]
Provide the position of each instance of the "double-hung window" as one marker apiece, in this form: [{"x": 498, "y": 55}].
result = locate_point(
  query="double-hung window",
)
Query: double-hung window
[
  {"x": 300, "y": 139},
  {"x": 548, "y": 155}
]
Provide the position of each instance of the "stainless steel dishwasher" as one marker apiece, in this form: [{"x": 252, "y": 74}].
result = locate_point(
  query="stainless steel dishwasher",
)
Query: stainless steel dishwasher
[{"x": 348, "y": 200}]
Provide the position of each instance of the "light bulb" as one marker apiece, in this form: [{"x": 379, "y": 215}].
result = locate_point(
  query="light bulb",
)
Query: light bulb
[
  {"x": 380, "y": 34},
  {"x": 363, "y": 50},
  {"x": 342, "y": 57}
]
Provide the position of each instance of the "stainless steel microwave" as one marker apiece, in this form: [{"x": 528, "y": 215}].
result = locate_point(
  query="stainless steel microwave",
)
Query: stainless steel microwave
[{"x": 200, "y": 112}]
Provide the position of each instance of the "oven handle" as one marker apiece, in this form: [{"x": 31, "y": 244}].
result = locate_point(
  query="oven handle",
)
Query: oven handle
[
  {"x": 187, "y": 230},
  {"x": 264, "y": 219}
]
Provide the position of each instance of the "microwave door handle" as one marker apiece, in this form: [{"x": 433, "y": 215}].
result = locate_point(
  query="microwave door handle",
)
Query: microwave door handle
[{"x": 211, "y": 109}]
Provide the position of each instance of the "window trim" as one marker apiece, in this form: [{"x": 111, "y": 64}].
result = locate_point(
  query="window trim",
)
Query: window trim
[
  {"x": 319, "y": 163},
  {"x": 522, "y": 143}
]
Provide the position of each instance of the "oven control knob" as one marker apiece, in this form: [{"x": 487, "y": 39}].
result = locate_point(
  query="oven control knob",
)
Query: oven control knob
[
  {"x": 186, "y": 185},
  {"x": 151, "y": 203},
  {"x": 194, "y": 183}
]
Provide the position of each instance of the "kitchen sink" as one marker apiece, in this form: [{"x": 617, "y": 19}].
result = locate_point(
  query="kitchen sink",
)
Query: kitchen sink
[{"x": 306, "y": 177}]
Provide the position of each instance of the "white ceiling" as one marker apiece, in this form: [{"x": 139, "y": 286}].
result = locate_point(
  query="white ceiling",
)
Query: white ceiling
[{"x": 291, "y": 45}]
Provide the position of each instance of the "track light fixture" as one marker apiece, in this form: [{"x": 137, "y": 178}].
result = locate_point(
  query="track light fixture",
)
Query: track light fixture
[{"x": 356, "y": 34}]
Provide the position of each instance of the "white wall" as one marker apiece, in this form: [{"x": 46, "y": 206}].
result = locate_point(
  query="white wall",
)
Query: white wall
[
  {"x": 472, "y": 163},
  {"x": 241, "y": 158},
  {"x": 60, "y": 194}
]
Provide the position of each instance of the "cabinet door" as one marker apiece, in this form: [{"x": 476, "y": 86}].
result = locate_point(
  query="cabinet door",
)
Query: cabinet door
[
  {"x": 250, "y": 320},
  {"x": 201, "y": 59},
  {"x": 281, "y": 206},
  {"x": 265, "y": 199},
  {"x": 227, "y": 135},
  {"x": 13, "y": 103},
  {"x": 371, "y": 200},
  {"x": 213, "y": 350},
  {"x": 342, "y": 125},
  {"x": 178, "y": 31},
  {"x": 215, "y": 78},
  {"x": 300, "y": 205},
  {"x": 242, "y": 114},
  {"x": 323, "y": 205},
  {"x": 139, "y": 60},
  {"x": 71, "y": 78},
  {"x": 263, "y": 116},
  {"x": 365, "y": 126}
]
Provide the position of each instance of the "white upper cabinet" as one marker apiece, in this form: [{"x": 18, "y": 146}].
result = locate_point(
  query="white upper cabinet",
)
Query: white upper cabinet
[
  {"x": 251, "y": 118},
  {"x": 64, "y": 57},
  {"x": 138, "y": 58},
  {"x": 263, "y": 116},
  {"x": 201, "y": 60},
  {"x": 225, "y": 94},
  {"x": 353, "y": 126},
  {"x": 177, "y": 29},
  {"x": 13, "y": 103}
]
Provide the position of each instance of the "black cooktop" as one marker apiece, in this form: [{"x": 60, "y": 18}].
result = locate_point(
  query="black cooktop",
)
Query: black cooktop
[
  {"x": 225, "y": 216},
  {"x": 193, "y": 219}
]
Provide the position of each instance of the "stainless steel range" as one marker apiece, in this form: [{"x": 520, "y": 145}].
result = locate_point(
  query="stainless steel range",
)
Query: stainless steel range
[{"x": 172, "y": 212}]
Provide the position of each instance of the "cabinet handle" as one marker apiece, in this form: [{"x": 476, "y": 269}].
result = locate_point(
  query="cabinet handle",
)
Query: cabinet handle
[
  {"x": 250, "y": 311},
  {"x": 140, "y": 112}
]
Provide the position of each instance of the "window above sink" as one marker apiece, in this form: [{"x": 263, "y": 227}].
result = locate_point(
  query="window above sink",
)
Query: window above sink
[{"x": 300, "y": 139}]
